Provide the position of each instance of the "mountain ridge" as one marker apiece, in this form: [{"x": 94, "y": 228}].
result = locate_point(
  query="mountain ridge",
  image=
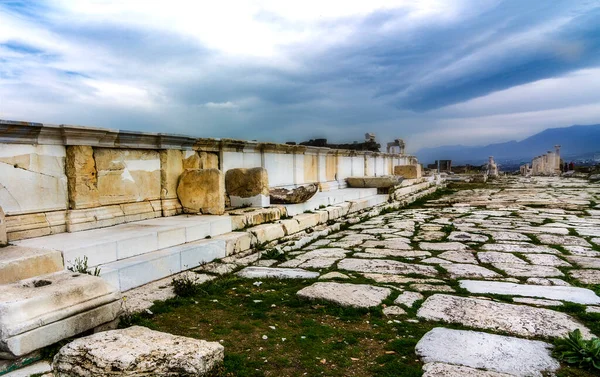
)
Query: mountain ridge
[{"x": 574, "y": 140}]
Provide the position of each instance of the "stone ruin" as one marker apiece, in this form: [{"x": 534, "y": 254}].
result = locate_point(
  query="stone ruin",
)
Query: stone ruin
[
  {"x": 547, "y": 164},
  {"x": 139, "y": 207}
]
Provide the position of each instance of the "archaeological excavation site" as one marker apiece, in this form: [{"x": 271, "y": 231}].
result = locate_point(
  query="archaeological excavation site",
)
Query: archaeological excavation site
[{"x": 147, "y": 254}]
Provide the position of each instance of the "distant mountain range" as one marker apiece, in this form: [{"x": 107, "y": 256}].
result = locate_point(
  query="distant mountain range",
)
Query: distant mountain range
[{"x": 575, "y": 141}]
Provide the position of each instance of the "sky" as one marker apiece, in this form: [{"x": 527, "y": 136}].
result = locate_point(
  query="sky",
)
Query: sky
[{"x": 432, "y": 72}]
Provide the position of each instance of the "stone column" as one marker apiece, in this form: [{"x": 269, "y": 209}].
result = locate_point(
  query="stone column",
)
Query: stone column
[{"x": 3, "y": 237}]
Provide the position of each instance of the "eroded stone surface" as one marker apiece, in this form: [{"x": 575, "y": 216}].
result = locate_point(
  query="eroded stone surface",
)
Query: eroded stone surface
[
  {"x": 525, "y": 270},
  {"x": 503, "y": 354},
  {"x": 278, "y": 273},
  {"x": 202, "y": 191},
  {"x": 345, "y": 294},
  {"x": 408, "y": 298},
  {"x": 518, "y": 320},
  {"x": 384, "y": 266},
  {"x": 449, "y": 370},
  {"x": 572, "y": 294},
  {"x": 137, "y": 351},
  {"x": 469, "y": 271}
]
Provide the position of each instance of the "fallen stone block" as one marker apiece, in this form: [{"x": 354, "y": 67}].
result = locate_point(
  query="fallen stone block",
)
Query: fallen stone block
[
  {"x": 345, "y": 294},
  {"x": 374, "y": 182},
  {"x": 18, "y": 263},
  {"x": 40, "y": 311},
  {"x": 408, "y": 171},
  {"x": 300, "y": 194},
  {"x": 519, "y": 320},
  {"x": 502, "y": 354},
  {"x": 137, "y": 351},
  {"x": 202, "y": 191},
  {"x": 248, "y": 187}
]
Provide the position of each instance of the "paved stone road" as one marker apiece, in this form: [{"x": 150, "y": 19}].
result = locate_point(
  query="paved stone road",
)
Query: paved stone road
[{"x": 536, "y": 240}]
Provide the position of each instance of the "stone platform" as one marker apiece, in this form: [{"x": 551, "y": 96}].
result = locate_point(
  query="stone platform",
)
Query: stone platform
[{"x": 133, "y": 254}]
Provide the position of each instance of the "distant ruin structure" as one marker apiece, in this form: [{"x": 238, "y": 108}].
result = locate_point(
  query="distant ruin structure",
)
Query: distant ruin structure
[
  {"x": 492, "y": 168},
  {"x": 370, "y": 144},
  {"x": 396, "y": 146},
  {"x": 545, "y": 164}
]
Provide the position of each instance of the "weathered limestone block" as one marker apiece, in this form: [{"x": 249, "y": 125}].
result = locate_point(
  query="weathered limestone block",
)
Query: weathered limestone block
[
  {"x": 202, "y": 190},
  {"x": 18, "y": 263},
  {"x": 191, "y": 160},
  {"x": 374, "y": 182},
  {"x": 137, "y": 351},
  {"x": 3, "y": 236},
  {"x": 296, "y": 195},
  {"x": 32, "y": 178},
  {"x": 208, "y": 160},
  {"x": 41, "y": 311},
  {"x": 408, "y": 171},
  {"x": 83, "y": 178},
  {"x": 171, "y": 167},
  {"x": 248, "y": 187},
  {"x": 267, "y": 232},
  {"x": 127, "y": 175}
]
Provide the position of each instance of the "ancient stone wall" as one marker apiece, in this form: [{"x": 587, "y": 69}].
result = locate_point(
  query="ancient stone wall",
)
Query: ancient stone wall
[{"x": 57, "y": 178}]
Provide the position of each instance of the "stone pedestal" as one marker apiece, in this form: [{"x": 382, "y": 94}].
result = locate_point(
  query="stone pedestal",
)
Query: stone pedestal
[
  {"x": 248, "y": 187},
  {"x": 408, "y": 171},
  {"x": 202, "y": 191},
  {"x": 374, "y": 182},
  {"x": 3, "y": 237}
]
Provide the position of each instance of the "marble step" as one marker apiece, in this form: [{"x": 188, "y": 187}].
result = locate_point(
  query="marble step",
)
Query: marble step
[
  {"x": 17, "y": 263},
  {"x": 106, "y": 245},
  {"x": 41, "y": 311},
  {"x": 142, "y": 269}
]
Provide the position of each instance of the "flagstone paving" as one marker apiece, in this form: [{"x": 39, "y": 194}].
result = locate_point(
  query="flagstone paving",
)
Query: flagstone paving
[{"x": 515, "y": 263}]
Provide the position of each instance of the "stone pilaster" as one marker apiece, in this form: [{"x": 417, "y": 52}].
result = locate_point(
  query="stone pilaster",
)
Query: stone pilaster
[
  {"x": 3, "y": 237},
  {"x": 82, "y": 177}
]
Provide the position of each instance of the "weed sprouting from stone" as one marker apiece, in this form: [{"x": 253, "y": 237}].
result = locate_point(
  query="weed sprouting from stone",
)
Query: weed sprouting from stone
[{"x": 81, "y": 266}]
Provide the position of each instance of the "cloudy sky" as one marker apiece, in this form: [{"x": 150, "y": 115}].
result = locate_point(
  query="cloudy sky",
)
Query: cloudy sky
[{"x": 433, "y": 72}]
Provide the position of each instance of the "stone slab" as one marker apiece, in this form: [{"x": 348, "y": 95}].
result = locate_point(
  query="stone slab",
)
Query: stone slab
[
  {"x": 526, "y": 270},
  {"x": 469, "y": 270},
  {"x": 546, "y": 260},
  {"x": 467, "y": 237},
  {"x": 137, "y": 351},
  {"x": 408, "y": 298},
  {"x": 384, "y": 266},
  {"x": 571, "y": 294},
  {"x": 449, "y": 370},
  {"x": 17, "y": 263},
  {"x": 497, "y": 353},
  {"x": 346, "y": 294},
  {"x": 276, "y": 273},
  {"x": 519, "y": 248},
  {"x": 520, "y": 320},
  {"x": 499, "y": 257},
  {"x": 586, "y": 276},
  {"x": 458, "y": 257},
  {"x": 443, "y": 246}
]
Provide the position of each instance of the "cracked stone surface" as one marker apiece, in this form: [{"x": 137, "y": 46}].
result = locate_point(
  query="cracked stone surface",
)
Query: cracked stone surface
[
  {"x": 344, "y": 294},
  {"x": 502, "y": 354},
  {"x": 521, "y": 320}
]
